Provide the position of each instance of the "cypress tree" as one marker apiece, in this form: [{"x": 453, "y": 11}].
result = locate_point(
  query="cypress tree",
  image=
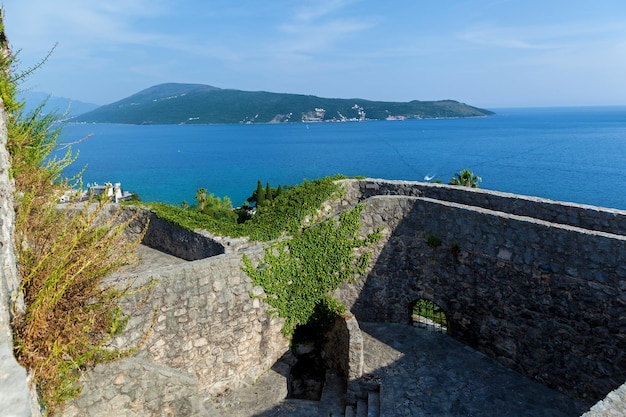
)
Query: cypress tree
[
  {"x": 268, "y": 192},
  {"x": 260, "y": 194}
]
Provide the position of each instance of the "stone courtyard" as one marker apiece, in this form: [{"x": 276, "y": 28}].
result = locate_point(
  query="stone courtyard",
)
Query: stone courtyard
[{"x": 420, "y": 373}]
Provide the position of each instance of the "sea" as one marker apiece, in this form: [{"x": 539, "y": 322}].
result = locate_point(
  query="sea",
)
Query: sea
[{"x": 574, "y": 154}]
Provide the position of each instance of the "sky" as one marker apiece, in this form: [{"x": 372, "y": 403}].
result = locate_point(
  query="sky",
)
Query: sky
[{"x": 486, "y": 53}]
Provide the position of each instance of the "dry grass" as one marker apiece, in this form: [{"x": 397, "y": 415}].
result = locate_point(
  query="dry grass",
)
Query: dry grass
[{"x": 64, "y": 255}]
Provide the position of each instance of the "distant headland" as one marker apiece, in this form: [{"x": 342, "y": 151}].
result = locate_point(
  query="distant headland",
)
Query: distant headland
[{"x": 174, "y": 103}]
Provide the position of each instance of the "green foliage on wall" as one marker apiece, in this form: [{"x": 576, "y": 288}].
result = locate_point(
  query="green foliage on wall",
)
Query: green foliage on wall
[
  {"x": 300, "y": 274},
  {"x": 286, "y": 213},
  {"x": 433, "y": 241},
  {"x": 278, "y": 217}
]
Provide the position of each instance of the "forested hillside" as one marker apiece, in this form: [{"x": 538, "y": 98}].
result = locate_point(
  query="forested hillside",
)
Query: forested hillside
[{"x": 204, "y": 104}]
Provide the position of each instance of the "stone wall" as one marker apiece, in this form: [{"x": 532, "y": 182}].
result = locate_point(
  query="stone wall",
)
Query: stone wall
[
  {"x": 181, "y": 243},
  {"x": 211, "y": 332},
  {"x": 16, "y": 399},
  {"x": 166, "y": 237},
  {"x": 579, "y": 215},
  {"x": 343, "y": 347},
  {"x": 343, "y": 352},
  {"x": 545, "y": 299},
  {"x": 612, "y": 406}
]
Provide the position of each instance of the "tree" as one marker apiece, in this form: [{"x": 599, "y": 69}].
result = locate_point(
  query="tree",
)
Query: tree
[
  {"x": 260, "y": 194},
  {"x": 268, "y": 192},
  {"x": 465, "y": 178},
  {"x": 201, "y": 195}
]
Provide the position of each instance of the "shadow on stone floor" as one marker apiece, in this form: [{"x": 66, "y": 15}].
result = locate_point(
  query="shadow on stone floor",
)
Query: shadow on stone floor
[{"x": 421, "y": 373}]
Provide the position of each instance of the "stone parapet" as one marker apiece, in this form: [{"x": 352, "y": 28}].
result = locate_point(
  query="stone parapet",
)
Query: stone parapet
[
  {"x": 166, "y": 237},
  {"x": 572, "y": 214}
]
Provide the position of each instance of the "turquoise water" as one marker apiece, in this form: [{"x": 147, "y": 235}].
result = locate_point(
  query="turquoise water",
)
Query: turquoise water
[{"x": 569, "y": 154}]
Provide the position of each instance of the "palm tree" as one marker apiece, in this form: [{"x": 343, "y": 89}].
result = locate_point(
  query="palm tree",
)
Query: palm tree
[
  {"x": 465, "y": 178},
  {"x": 201, "y": 198}
]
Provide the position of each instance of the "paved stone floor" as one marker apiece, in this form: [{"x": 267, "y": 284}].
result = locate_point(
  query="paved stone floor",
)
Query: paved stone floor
[
  {"x": 428, "y": 374},
  {"x": 422, "y": 374}
]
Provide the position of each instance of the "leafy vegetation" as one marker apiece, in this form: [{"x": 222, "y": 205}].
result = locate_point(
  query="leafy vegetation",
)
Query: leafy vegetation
[
  {"x": 429, "y": 315},
  {"x": 63, "y": 256},
  {"x": 283, "y": 214},
  {"x": 261, "y": 194},
  {"x": 465, "y": 178},
  {"x": 433, "y": 241},
  {"x": 202, "y": 104},
  {"x": 300, "y": 274}
]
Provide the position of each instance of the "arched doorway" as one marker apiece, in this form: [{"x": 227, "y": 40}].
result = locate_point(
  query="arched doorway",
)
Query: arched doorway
[{"x": 427, "y": 315}]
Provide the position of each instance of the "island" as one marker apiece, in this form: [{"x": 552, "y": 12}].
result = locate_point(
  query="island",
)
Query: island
[{"x": 175, "y": 103}]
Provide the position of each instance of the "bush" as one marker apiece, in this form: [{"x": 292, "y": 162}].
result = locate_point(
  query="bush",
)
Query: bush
[
  {"x": 282, "y": 215},
  {"x": 63, "y": 256}
]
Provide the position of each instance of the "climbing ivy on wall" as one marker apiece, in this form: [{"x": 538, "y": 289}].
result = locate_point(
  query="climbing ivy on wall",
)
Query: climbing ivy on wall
[
  {"x": 283, "y": 215},
  {"x": 300, "y": 274}
]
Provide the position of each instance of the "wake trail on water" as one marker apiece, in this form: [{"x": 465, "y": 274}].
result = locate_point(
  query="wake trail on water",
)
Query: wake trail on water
[{"x": 402, "y": 158}]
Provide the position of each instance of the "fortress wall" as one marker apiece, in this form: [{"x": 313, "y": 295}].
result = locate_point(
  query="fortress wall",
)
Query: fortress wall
[
  {"x": 179, "y": 242},
  {"x": 166, "y": 237},
  {"x": 579, "y": 215},
  {"x": 545, "y": 299},
  {"x": 209, "y": 335}
]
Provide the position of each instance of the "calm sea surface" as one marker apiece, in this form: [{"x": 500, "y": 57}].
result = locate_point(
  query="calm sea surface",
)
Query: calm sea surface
[{"x": 569, "y": 154}]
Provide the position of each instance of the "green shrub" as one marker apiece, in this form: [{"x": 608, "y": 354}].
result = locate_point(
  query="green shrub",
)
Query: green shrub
[{"x": 281, "y": 216}]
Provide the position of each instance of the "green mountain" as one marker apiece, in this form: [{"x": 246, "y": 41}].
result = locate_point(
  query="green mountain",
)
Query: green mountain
[{"x": 203, "y": 104}]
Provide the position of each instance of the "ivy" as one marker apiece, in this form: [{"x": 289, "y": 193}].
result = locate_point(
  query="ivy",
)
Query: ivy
[
  {"x": 300, "y": 274},
  {"x": 281, "y": 216}
]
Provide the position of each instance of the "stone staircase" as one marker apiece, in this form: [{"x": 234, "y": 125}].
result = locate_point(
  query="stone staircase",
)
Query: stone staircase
[
  {"x": 332, "y": 402},
  {"x": 369, "y": 407}
]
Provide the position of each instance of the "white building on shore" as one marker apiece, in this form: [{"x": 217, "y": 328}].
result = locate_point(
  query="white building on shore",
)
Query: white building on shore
[{"x": 112, "y": 191}]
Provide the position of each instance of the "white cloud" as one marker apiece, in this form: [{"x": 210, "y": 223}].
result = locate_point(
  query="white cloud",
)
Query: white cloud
[
  {"x": 317, "y": 9},
  {"x": 554, "y": 36},
  {"x": 319, "y": 27},
  {"x": 76, "y": 22}
]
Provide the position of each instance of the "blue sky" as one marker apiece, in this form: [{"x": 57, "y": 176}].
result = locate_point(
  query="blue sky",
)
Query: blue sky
[{"x": 488, "y": 53}]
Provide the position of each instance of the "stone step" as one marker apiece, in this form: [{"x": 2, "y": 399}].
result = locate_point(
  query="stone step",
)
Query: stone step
[
  {"x": 373, "y": 404},
  {"x": 361, "y": 408},
  {"x": 332, "y": 400}
]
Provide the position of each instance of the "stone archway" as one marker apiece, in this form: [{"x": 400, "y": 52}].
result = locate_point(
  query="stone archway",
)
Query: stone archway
[{"x": 428, "y": 315}]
